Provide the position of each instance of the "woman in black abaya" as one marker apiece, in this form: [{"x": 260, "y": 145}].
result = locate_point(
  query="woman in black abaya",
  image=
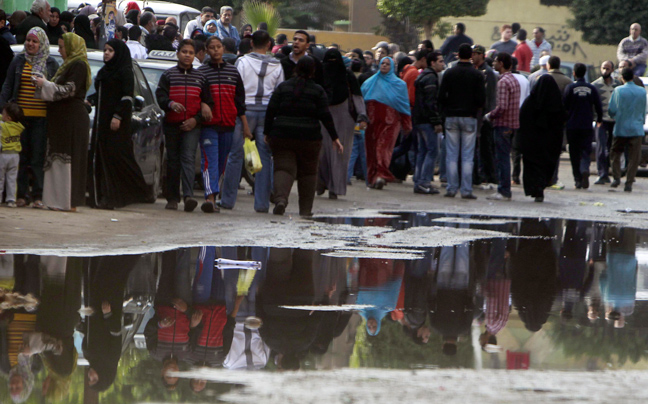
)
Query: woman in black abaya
[
  {"x": 541, "y": 131},
  {"x": 116, "y": 178},
  {"x": 82, "y": 29}
]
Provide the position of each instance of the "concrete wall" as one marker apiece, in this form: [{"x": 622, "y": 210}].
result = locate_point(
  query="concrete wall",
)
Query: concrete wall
[
  {"x": 567, "y": 42},
  {"x": 346, "y": 40}
]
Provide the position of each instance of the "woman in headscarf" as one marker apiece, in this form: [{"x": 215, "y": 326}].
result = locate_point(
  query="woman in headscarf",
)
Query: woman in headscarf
[
  {"x": 54, "y": 30},
  {"x": 246, "y": 31},
  {"x": 87, "y": 10},
  {"x": 67, "y": 132},
  {"x": 132, "y": 17},
  {"x": 82, "y": 28},
  {"x": 540, "y": 135},
  {"x": 347, "y": 107},
  {"x": 116, "y": 178},
  {"x": 19, "y": 86},
  {"x": 211, "y": 28},
  {"x": 388, "y": 110},
  {"x": 292, "y": 128},
  {"x": 131, "y": 6}
]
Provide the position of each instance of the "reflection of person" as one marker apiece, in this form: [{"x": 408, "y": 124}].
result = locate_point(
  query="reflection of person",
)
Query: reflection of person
[
  {"x": 418, "y": 284},
  {"x": 380, "y": 283},
  {"x": 572, "y": 265},
  {"x": 619, "y": 281},
  {"x": 496, "y": 292}
]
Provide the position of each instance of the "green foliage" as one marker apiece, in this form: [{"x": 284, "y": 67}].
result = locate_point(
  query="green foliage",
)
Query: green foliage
[
  {"x": 256, "y": 12},
  {"x": 606, "y": 22},
  {"x": 427, "y": 13},
  {"x": 310, "y": 14},
  {"x": 398, "y": 31},
  {"x": 393, "y": 349}
]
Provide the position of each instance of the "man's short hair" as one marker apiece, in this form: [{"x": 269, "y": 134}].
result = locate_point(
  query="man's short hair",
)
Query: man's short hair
[
  {"x": 385, "y": 48},
  {"x": 199, "y": 45},
  {"x": 38, "y": 5},
  {"x": 505, "y": 27},
  {"x": 226, "y": 8},
  {"x": 146, "y": 18},
  {"x": 302, "y": 32},
  {"x": 514, "y": 63},
  {"x": 580, "y": 70},
  {"x": 540, "y": 29},
  {"x": 245, "y": 46},
  {"x": 149, "y": 9},
  {"x": 554, "y": 62},
  {"x": 124, "y": 31},
  {"x": 281, "y": 39},
  {"x": 433, "y": 57},
  {"x": 229, "y": 44},
  {"x": 422, "y": 54},
  {"x": 134, "y": 33},
  {"x": 505, "y": 59},
  {"x": 427, "y": 44},
  {"x": 522, "y": 35},
  {"x": 260, "y": 39},
  {"x": 187, "y": 42},
  {"x": 627, "y": 74},
  {"x": 465, "y": 51},
  {"x": 3, "y": 15},
  {"x": 515, "y": 27},
  {"x": 461, "y": 27},
  {"x": 206, "y": 10},
  {"x": 368, "y": 53}
]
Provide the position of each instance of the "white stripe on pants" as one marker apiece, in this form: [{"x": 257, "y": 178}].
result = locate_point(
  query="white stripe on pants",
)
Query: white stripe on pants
[{"x": 9, "y": 174}]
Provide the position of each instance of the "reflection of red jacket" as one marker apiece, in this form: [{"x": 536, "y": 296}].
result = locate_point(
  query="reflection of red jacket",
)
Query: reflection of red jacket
[
  {"x": 376, "y": 272},
  {"x": 212, "y": 324},
  {"x": 179, "y": 331}
]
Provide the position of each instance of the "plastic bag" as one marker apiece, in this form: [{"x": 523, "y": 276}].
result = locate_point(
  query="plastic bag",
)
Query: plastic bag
[{"x": 252, "y": 158}]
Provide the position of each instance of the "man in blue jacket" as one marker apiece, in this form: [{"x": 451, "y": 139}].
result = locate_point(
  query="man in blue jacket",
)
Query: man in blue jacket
[
  {"x": 579, "y": 98},
  {"x": 628, "y": 108}
]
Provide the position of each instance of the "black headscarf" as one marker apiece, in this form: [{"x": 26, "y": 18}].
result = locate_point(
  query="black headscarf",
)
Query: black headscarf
[
  {"x": 242, "y": 35},
  {"x": 338, "y": 82},
  {"x": 66, "y": 16},
  {"x": 542, "y": 110},
  {"x": 54, "y": 33},
  {"x": 121, "y": 63},
  {"x": 131, "y": 16},
  {"x": 82, "y": 29}
]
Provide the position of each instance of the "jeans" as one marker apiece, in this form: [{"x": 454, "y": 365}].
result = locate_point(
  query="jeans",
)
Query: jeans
[
  {"x": 208, "y": 285},
  {"x": 262, "y": 179},
  {"x": 442, "y": 158},
  {"x": 603, "y": 144},
  {"x": 427, "y": 154},
  {"x": 358, "y": 153},
  {"x": 214, "y": 148},
  {"x": 639, "y": 69},
  {"x": 502, "y": 137},
  {"x": 454, "y": 268},
  {"x": 181, "y": 161},
  {"x": 461, "y": 134},
  {"x": 516, "y": 156},
  {"x": 34, "y": 145},
  {"x": 580, "y": 148}
]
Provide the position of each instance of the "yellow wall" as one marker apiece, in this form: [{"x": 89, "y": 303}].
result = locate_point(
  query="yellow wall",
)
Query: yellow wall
[
  {"x": 346, "y": 40},
  {"x": 567, "y": 42}
]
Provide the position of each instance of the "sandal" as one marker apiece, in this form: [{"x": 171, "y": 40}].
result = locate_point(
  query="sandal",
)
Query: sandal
[
  {"x": 38, "y": 205},
  {"x": 21, "y": 202}
]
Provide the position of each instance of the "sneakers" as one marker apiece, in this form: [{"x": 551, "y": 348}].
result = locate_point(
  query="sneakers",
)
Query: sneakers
[
  {"x": 487, "y": 186},
  {"x": 420, "y": 189},
  {"x": 190, "y": 204},
  {"x": 558, "y": 186},
  {"x": 498, "y": 197},
  {"x": 602, "y": 181},
  {"x": 11, "y": 204}
]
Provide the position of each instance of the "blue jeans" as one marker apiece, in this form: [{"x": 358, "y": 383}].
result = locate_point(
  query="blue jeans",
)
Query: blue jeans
[
  {"x": 358, "y": 152},
  {"x": 208, "y": 286},
  {"x": 502, "y": 136},
  {"x": 181, "y": 160},
  {"x": 214, "y": 148},
  {"x": 262, "y": 179},
  {"x": 443, "y": 173},
  {"x": 427, "y": 154},
  {"x": 603, "y": 144},
  {"x": 461, "y": 134}
]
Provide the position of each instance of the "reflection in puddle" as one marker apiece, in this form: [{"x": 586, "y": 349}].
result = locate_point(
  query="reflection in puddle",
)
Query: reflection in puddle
[{"x": 122, "y": 329}]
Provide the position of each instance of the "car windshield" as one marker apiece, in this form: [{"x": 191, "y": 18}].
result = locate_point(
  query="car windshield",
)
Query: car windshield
[{"x": 152, "y": 76}]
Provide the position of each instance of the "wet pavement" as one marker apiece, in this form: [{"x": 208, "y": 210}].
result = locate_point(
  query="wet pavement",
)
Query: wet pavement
[{"x": 541, "y": 294}]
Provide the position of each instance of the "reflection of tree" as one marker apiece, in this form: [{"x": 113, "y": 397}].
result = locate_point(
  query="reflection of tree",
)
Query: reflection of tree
[{"x": 393, "y": 349}]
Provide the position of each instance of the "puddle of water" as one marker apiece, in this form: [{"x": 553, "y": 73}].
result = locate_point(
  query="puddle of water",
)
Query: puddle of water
[{"x": 566, "y": 295}]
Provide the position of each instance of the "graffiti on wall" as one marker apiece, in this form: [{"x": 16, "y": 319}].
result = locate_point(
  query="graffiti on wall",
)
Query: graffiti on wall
[{"x": 560, "y": 40}]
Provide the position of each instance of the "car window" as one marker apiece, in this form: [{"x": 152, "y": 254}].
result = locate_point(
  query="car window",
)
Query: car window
[
  {"x": 185, "y": 18},
  {"x": 153, "y": 76},
  {"x": 95, "y": 66},
  {"x": 142, "y": 87}
]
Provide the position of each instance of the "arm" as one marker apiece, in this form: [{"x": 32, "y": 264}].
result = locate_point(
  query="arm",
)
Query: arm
[
  {"x": 271, "y": 112},
  {"x": 430, "y": 102},
  {"x": 8, "y": 86},
  {"x": 597, "y": 105},
  {"x": 325, "y": 116},
  {"x": 621, "y": 56},
  {"x": 205, "y": 98},
  {"x": 641, "y": 58},
  {"x": 162, "y": 93},
  {"x": 125, "y": 106}
]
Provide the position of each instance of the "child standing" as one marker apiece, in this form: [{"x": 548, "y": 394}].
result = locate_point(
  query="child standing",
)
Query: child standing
[{"x": 10, "y": 131}]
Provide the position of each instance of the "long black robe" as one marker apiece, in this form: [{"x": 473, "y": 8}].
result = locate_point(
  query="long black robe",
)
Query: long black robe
[
  {"x": 116, "y": 178},
  {"x": 540, "y": 135}
]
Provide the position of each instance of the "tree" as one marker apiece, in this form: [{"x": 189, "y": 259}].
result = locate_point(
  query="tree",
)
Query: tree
[
  {"x": 427, "y": 13},
  {"x": 606, "y": 23}
]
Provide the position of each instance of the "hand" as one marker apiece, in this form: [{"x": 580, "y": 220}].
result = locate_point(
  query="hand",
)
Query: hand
[
  {"x": 246, "y": 132},
  {"x": 196, "y": 318},
  {"x": 599, "y": 124},
  {"x": 188, "y": 125},
  {"x": 177, "y": 107},
  {"x": 206, "y": 112},
  {"x": 338, "y": 146},
  {"x": 114, "y": 124},
  {"x": 362, "y": 125},
  {"x": 438, "y": 128},
  {"x": 105, "y": 308},
  {"x": 487, "y": 117},
  {"x": 38, "y": 80},
  {"x": 179, "y": 305},
  {"x": 166, "y": 322}
]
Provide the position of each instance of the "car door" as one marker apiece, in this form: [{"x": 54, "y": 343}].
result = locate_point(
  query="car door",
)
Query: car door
[{"x": 148, "y": 139}]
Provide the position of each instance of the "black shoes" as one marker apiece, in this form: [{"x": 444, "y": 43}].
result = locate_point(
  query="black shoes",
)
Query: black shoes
[
  {"x": 450, "y": 194},
  {"x": 602, "y": 181},
  {"x": 171, "y": 205},
  {"x": 209, "y": 207},
  {"x": 615, "y": 183},
  {"x": 627, "y": 188},
  {"x": 190, "y": 204},
  {"x": 380, "y": 183},
  {"x": 279, "y": 208},
  {"x": 420, "y": 189},
  {"x": 585, "y": 180},
  {"x": 539, "y": 199},
  {"x": 468, "y": 196}
]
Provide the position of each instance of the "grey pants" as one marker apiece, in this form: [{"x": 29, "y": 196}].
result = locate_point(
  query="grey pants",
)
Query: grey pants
[{"x": 9, "y": 174}]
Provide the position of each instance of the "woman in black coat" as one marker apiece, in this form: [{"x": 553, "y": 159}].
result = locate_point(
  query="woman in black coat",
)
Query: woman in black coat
[{"x": 116, "y": 179}]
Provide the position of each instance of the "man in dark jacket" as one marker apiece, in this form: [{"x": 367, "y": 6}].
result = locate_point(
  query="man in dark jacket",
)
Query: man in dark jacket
[
  {"x": 300, "y": 46},
  {"x": 452, "y": 43},
  {"x": 39, "y": 17},
  {"x": 580, "y": 97},
  {"x": 461, "y": 99},
  {"x": 427, "y": 123},
  {"x": 4, "y": 30}
]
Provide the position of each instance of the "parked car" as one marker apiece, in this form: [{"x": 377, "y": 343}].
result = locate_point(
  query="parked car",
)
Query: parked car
[{"x": 148, "y": 139}]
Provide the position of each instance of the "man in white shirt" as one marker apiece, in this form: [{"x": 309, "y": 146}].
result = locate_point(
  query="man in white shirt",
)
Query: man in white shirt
[
  {"x": 516, "y": 156},
  {"x": 137, "y": 51},
  {"x": 206, "y": 14},
  {"x": 538, "y": 44}
]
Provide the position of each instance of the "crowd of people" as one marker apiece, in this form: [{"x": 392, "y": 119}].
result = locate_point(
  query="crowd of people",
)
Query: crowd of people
[{"x": 317, "y": 115}]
